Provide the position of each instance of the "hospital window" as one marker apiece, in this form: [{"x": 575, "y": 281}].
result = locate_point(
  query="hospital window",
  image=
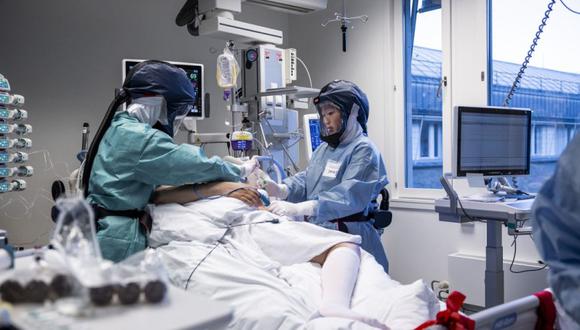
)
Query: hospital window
[
  {"x": 427, "y": 140},
  {"x": 550, "y": 140},
  {"x": 550, "y": 86},
  {"x": 423, "y": 97}
]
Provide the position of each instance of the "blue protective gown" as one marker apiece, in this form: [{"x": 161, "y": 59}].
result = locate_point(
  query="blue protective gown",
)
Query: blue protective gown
[
  {"x": 132, "y": 160},
  {"x": 360, "y": 176},
  {"x": 556, "y": 228}
]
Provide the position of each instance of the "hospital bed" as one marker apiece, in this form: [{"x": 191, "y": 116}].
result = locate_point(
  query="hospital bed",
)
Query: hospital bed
[
  {"x": 519, "y": 314},
  {"x": 265, "y": 294},
  {"x": 529, "y": 312}
]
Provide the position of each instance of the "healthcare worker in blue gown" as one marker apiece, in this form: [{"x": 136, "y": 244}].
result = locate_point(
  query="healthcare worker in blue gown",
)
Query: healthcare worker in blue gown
[
  {"x": 133, "y": 152},
  {"x": 345, "y": 174},
  {"x": 556, "y": 230}
]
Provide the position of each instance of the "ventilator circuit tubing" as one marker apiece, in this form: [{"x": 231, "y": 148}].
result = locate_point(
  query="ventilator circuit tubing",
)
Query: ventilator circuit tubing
[{"x": 277, "y": 168}]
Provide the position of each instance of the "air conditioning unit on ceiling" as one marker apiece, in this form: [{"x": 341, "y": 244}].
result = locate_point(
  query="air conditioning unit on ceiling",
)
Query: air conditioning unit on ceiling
[{"x": 292, "y": 6}]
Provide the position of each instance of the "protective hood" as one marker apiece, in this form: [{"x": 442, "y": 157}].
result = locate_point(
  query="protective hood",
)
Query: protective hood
[
  {"x": 346, "y": 96},
  {"x": 156, "y": 78},
  {"x": 353, "y": 128}
]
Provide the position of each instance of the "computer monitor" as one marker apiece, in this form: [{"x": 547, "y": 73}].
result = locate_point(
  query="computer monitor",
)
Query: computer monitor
[
  {"x": 194, "y": 73},
  {"x": 492, "y": 141},
  {"x": 311, "y": 133}
]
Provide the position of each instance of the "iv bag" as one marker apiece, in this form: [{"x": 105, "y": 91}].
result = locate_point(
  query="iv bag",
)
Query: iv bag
[{"x": 227, "y": 69}]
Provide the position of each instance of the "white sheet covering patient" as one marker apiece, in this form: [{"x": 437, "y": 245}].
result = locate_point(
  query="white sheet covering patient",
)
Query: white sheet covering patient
[{"x": 245, "y": 241}]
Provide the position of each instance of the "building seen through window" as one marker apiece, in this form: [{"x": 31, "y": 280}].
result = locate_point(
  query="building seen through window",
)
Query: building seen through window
[{"x": 553, "y": 96}]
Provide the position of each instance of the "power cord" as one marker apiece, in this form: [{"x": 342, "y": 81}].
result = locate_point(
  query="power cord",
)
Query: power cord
[
  {"x": 524, "y": 66},
  {"x": 467, "y": 215},
  {"x": 515, "y": 245},
  {"x": 306, "y": 69},
  {"x": 570, "y": 9},
  {"x": 442, "y": 289}
]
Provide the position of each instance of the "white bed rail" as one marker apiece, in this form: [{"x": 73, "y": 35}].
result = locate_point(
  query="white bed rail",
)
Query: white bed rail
[{"x": 517, "y": 314}]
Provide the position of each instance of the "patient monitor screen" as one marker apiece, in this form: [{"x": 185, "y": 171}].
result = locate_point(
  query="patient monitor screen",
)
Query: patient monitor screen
[
  {"x": 195, "y": 75},
  {"x": 312, "y": 130},
  {"x": 493, "y": 141},
  {"x": 314, "y": 127}
]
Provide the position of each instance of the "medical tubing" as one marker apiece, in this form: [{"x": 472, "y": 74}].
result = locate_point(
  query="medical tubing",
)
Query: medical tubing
[
  {"x": 528, "y": 57},
  {"x": 263, "y": 146},
  {"x": 284, "y": 149},
  {"x": 121, "y": 98},
  {"x": 277, "y": 168}
]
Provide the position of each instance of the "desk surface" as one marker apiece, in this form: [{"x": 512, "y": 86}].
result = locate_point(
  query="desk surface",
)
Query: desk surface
[
  {"x": 518, "y": 209},
  {"x": 180, "y": 310}
]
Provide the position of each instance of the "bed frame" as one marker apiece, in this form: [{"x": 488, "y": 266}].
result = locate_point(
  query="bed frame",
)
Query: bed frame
[{"x": 517, "y": 314}]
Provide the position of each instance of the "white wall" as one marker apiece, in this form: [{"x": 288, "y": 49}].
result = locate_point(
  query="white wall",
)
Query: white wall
[
  {"x": 65, "y": 57},
  {"x": 417, "y": 244},
  {"x": 364, "y": 63},
  {"x": 68, "y": 61}
]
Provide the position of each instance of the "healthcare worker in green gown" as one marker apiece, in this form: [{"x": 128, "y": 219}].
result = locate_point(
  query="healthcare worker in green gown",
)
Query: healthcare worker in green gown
[{"x": 133, "y": 153}]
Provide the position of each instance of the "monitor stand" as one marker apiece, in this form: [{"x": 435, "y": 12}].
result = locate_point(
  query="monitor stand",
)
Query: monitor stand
[
  {"x": 481, "y": 193},
  {"x": 487, "y": 197}
]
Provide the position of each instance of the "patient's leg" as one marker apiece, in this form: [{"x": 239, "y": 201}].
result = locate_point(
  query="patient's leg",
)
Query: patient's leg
[{"x": 340, "y": 266}]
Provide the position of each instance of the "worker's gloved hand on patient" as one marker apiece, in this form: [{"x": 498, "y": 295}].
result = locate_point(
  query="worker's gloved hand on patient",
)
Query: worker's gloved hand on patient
[
  {"x": 307, "y": 208},
  {"x": 248, "y": 167},
  {"x": 274, "y": 189}
]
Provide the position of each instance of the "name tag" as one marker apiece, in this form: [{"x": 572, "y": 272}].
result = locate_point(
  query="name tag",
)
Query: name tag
[{"x": 331, "y": 169}]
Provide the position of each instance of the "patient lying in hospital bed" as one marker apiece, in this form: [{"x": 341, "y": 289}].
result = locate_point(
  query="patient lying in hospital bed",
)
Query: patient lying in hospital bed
[{"x": 269, "y": 267}]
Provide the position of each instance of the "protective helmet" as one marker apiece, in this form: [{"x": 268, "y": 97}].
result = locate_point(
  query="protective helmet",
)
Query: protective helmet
[
  {"x": 345, "y": 96},
  {"x": 148, "y": 78},
  {"x": 157, "y": 78}
]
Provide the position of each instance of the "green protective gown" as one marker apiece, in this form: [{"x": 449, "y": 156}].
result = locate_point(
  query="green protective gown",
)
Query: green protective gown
[{"x": 132, "y": 160}]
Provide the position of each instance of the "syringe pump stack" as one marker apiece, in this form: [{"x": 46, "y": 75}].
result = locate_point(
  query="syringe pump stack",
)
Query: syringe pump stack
[{"x": 13, "y": 140}]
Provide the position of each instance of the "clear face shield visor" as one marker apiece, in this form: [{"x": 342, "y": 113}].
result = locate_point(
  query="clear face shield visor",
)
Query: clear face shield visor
[
  {"x": 178, "y": 121},
  {"x": 332, "y": 120}
]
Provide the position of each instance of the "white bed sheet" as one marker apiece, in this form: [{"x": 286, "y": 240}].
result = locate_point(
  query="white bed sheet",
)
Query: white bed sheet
[{"x": 267, "y": 292}]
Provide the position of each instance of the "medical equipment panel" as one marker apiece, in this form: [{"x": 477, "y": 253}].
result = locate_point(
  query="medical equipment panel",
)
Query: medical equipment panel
[
  {"x": 12, "y": 129},
  {"x": 194, "y": 72},
  {"x": 311, "y": 133},
  {"x": 264, "y": 82},
  {"x": 492, "y": 141}
]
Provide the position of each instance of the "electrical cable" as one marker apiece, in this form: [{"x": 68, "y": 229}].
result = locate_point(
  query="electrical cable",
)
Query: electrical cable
[
  {"x": 467, "y": 215},
  {"x": 515, "y": 244},
  {"x": 433, "y": 284},
  {"x": 202, "y": 260},
  {"x": 570, "y": 9},
  {"x": 219, "y": 241},
  {"x": 305, "y": 68},
  {"x": 528, "y": 57}
]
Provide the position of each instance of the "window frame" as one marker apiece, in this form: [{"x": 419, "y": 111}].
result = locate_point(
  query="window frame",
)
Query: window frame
[{"x": 457, "y": 91}]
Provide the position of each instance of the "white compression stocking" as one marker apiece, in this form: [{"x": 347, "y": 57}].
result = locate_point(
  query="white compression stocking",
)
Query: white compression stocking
[{"x": 339, "y": 275}]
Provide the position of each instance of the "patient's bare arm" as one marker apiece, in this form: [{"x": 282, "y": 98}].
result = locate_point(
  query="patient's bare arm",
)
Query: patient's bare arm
[{"x": 190, "y": 193}]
